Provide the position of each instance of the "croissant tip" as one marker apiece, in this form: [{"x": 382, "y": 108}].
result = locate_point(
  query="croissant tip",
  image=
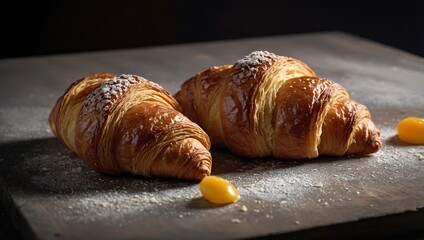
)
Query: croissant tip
[
  {"x": 375, "y": 144},
  {"x": 203, "y": 170},
  {"x": 200, "y": 176},
  {"x": 374, "y": 147}
]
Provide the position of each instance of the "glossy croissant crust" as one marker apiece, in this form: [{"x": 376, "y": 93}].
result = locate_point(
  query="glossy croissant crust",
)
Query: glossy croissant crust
[
  {"x": 127, "y": 124},
  {"x": 269, "y": 105}
]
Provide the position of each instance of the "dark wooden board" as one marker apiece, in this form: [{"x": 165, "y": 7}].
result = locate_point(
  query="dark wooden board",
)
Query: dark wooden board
[{"x": 51, "y": 194}]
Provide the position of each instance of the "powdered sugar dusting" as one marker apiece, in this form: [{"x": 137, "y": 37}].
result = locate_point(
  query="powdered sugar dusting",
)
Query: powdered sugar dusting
[
  {"x": 102, "y": 98},
  {"x": 250, "y": 65}
]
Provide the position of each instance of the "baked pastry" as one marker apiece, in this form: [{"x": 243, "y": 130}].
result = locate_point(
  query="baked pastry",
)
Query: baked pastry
[
  {"x": 127, "y": 124},
  {"x": 269, "y": 105}
]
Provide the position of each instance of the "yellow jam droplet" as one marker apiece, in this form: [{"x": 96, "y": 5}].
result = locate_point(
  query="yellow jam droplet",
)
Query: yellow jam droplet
[
  {"x": 411, "y": 130},
  {"x": 218, "y": 190}
]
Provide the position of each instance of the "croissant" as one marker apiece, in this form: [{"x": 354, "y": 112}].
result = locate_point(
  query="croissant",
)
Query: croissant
[
  {"x": 127, "y": 124},
  {"x": 269, "y": 105}
]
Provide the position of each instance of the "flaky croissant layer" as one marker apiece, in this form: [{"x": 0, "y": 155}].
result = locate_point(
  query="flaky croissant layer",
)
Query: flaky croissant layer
[
  {"x": 269, "y": 105},
  {"x": 126, "y": 123}
]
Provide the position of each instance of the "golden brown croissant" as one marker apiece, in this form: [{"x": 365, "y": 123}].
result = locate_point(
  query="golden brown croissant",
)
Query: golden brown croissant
[
  {"x": 269, "y": 105},
  {"x": 126, "y": 123}
]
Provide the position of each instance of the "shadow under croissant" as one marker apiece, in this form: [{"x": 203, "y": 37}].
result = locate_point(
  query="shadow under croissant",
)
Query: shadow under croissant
[
  {"x": 226, "y": 162},
  {"x": 45, "y": 166}
]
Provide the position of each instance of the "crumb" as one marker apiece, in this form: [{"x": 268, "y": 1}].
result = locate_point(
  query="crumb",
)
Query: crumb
[
  {"x": 318, "y": 184},
  {"x": 249, "y": 185},
  {"x": 104, "y": 204},
  {"x": 297, "y": 222},
  {"x": 243, "y": 208},
  {"x": 235, "y": 220},
  {"x": 420, "y": 156}
]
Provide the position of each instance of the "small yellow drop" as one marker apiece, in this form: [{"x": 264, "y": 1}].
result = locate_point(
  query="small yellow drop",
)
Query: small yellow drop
[
  {"x": 218, "y": 190},
  {"x": 411, "y": 130}
]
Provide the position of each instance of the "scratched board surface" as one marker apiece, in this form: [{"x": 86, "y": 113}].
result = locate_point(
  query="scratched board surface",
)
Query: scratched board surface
[{"x": 51, "y": 193}]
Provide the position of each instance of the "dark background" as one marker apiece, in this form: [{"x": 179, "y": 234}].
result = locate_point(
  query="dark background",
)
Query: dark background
[{"x": 49, "y": 27}]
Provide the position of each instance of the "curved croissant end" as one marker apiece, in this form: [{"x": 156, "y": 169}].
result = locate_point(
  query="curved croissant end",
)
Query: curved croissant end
[
  {"x": 126, "y": 123},
  {"x": 269, "y": 105}
]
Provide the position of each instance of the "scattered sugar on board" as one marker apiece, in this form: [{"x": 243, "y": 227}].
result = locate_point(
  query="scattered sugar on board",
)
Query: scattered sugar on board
[{"x": 117, "y": 204}]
